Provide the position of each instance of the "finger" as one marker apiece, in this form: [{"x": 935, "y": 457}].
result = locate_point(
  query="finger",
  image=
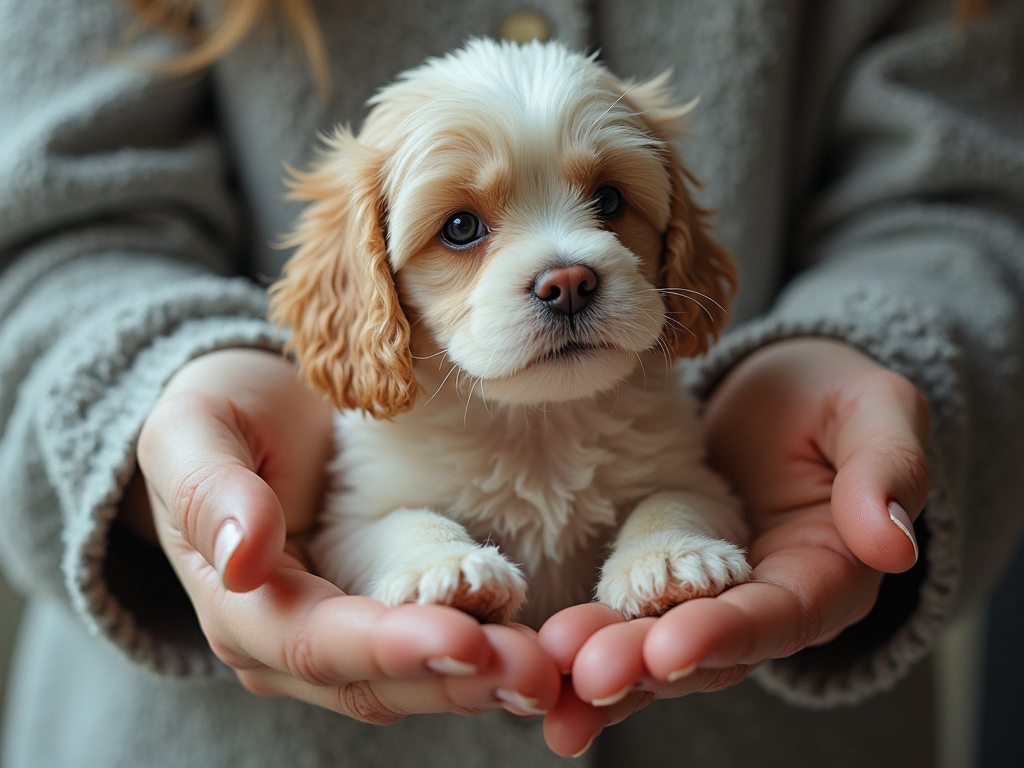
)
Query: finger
[
  {"x": 564, "y": 634},
  {"x": 303, "y": 625},
  {"x": 611, "y": 662},
  {"x": 202, "y": 479},
  {"x": 796, "y": 596},
  {"x": 882, "y": 478},
  {"x": 521, "y": 678},
  {"x": 571, "y": 727}
]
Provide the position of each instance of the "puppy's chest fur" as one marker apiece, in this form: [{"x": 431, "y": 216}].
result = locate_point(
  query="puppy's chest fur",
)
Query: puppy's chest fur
[{"x": 549, "y": 486}]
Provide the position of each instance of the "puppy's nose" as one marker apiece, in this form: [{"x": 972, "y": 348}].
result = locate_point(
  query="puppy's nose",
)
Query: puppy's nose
[{"x": 566, "y": 289}]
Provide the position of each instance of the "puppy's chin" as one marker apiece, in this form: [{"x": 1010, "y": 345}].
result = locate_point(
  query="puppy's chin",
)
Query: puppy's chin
[{"x": 572, "y": 374}]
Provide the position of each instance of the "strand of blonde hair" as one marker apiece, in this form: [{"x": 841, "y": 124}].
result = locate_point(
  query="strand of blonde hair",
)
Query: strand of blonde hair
[
  {"x": 238, "y": 17},
  {"x": 234, "y": 23}
]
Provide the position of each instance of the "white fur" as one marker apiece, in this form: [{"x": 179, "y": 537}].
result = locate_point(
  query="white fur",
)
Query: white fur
[
  {"x": 514, "y": 463},
  {"x": 549, "y": 486}
]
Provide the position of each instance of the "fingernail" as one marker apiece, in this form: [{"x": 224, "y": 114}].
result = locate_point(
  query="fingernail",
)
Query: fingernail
[
  {"x": 525, "y": 704},
  {"x": 582, "y": 751},
  {"x": 899, "y": 516},
  {"x": 679, "y": 674},
  {"x": 446, "y": 665},
  {"x": 615, "y": 698},
  {"x": 228, "y": 538}
]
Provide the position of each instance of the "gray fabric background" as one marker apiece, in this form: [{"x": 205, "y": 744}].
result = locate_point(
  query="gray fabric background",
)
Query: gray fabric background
[{"x": 864, "y": 143}]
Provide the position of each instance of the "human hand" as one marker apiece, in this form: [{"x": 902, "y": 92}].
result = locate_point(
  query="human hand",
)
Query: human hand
[
  {"x": 232, "y": 458},
  {"x": 820, "y": 442}
]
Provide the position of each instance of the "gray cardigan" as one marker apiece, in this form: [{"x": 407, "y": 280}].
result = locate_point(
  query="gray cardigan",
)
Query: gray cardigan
[{"x": 864, "y": 154}]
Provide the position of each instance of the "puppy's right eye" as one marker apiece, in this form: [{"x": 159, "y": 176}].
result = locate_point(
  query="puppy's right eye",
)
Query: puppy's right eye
[
  {"x": 608, "y": 203},
  {"x": 462, "y": 229}
]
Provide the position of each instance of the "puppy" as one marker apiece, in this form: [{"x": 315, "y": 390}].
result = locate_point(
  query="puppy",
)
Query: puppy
[{"x": 509, "y": 246}]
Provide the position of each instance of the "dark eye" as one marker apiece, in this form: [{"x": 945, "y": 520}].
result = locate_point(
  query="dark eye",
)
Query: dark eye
[
  {"x": 608, "y": 203},
  {"x": 462, "y": 229}
]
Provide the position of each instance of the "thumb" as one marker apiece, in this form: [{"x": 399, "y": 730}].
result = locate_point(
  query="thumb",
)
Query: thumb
[
  {"x": 882, "y": 478},
  {"x": 205, "y": 491}
]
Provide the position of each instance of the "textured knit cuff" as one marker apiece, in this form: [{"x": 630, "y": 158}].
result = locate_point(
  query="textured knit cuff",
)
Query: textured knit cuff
[
  {"x": 96, "y": 405},
  {"x": 912, "y": 607}
]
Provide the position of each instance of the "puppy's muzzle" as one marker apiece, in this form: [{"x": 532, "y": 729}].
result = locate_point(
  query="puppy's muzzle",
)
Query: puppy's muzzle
[{"x": 566, "y": 289}]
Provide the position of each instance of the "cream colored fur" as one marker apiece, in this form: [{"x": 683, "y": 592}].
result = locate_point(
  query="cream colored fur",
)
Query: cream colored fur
[
  {"x": 549, "y": 487},
  {"x": 560, "y": 453}
]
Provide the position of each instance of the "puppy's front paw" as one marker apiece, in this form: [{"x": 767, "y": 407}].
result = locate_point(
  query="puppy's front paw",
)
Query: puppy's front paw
[
  {"x": 648, "y": 578},
  {"x": 477, "y": 580}
]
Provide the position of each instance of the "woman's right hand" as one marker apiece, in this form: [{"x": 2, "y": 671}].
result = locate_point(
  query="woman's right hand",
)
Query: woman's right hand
[{"x": 233, "y": 459}]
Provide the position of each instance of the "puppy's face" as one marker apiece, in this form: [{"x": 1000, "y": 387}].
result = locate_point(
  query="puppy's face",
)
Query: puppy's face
[{"x": 518, "y": 210}]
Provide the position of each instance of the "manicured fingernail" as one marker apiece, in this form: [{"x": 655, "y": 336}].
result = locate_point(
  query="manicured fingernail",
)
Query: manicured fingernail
[
  {"x": 615, "y": 698},
  {"x": 899, "y": 516},
  {"x": 446, "y": 665},
  {"x": 525, "y": 704},
  {"x": 228, "y": 538},
  {"x": 583, "y": 751},
  {"x": 679, "y": 674}
]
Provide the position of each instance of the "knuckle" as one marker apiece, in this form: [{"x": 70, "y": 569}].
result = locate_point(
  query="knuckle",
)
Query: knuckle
[
  {"x": 903, "y": 391},
  {"x": 809, "y": 625},
  {"x": 255, "y": 683},
  {"x": 226, "y": 651},
  {"x": 188, "y": 498},
  {"x": 175, "y": 411},
  {"x": 910, "y": 462},
  {"x": 894, "y": 384},
  {"x": 725, "y": 678},
  {"x": 300, "y": 660},
  {"x": 807, "y": 621},
  {"x": 359, "y": 701}
]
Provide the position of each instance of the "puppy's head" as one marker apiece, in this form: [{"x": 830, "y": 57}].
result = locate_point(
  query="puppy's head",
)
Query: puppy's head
[{"x": 516, "y": 208}]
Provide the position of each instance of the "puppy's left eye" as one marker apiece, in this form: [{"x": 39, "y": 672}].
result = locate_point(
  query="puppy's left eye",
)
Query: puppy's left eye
[
  {"x": 608, "y": 203},
  {"x": 462, "y": 229}
]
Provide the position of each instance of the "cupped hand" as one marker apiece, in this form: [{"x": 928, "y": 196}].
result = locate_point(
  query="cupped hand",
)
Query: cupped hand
[
  {"x": 233, "y": 460},
  {"x": 826, "y": 449}
]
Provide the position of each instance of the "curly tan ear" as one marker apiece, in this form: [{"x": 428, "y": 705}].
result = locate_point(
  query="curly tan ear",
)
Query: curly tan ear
[
  {"x": 697, "y": 275},
  {"x": 350, "y": 335}
]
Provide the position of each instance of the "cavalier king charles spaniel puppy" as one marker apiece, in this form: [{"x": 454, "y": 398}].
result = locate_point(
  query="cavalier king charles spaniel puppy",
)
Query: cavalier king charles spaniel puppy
[{"x": 491, "y": 283}]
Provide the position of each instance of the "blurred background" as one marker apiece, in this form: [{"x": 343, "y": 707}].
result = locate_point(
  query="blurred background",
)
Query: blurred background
[{"x": 978, "y": 678}]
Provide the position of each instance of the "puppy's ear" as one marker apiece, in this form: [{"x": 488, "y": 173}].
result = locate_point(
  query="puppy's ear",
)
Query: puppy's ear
[
  {"x": 350, "y": 335},
  {"x": 697, "y": 274}
]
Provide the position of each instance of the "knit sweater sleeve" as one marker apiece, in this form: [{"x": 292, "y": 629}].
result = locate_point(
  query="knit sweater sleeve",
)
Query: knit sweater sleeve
[
  {"x": 912, "y": 243},
  {"x": 118, "y": 229}
]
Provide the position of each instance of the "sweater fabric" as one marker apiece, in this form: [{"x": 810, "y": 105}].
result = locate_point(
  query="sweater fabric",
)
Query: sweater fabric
[{"x": 867, "y": 160}]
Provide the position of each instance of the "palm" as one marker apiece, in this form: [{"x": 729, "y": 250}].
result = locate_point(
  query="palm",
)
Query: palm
[
  {"x": 238, "y": 441},
  {"x": 817, "y": 440}
]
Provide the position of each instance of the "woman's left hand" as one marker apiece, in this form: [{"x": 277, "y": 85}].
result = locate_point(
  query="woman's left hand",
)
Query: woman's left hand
[{"x": 827, "y": 451}]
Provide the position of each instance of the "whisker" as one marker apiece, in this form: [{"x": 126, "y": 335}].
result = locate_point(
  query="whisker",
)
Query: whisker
[
  {"x": 469, "y": 398},
  {"x": 677, "y": 324},
  {"x": 427, "y": 357},
  {"x": 690, "y": 298},
  {"x": 454, "y": 368},
  {"x": 673, "y": 321},
  {"x": 668, "y": 358},
  {"x": 676, "y": 291},
  {"x": 642, "y": 369},
  {"x": 483, "y": 399}
]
